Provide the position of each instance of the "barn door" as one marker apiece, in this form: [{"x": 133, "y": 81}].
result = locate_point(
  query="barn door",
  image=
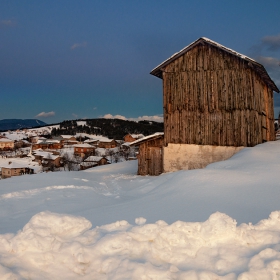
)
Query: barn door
[{"x": 154, "y": 158}]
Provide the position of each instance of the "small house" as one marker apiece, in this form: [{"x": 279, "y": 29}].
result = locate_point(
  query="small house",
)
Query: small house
[
  {"x": 150, "y": 156},
  {"x": 47, "y": 159},
  {"x": 47, "y": 144},
  {"x": 84, "y": 149},
  {"x": 132, "y": 137},
  {"x": 69, "y": 140},
  {"x": 15, "y": 169},
  {"x": 6, "y": 144},
  {"x": 107, "y": 144},
  {"x": 92, "y": 141},
  {"x": 93, "y": 161}
]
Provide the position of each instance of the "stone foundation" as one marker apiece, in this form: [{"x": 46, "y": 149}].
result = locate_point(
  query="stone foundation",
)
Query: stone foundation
[{"x": 187, "y": 156}]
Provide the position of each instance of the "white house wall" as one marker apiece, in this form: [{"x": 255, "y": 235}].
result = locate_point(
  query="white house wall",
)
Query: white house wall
[{"x": 188, "y": 156}]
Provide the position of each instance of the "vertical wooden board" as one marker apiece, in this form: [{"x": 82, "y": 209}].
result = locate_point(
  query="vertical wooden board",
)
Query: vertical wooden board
[{"x": 155, "y": 162}]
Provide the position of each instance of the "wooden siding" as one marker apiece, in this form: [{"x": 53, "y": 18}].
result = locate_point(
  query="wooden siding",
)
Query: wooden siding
[
  {"x": 211, "y": 97},
  {"x": 150, "y": 157}
]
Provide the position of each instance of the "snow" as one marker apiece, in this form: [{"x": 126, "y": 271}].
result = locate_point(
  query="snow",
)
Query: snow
[
  {"x": 94, "y": 137},
  {"x": 21, "y": 134},
  {"x": 4, "y": 140},
  {"x": 81, "y": 123},
  {"x": 18, "y": 163},
  {"x": 221, "y": 222},
  {"x": 157, "y": 134},
  {"x": 85, "y": 145},
  {"x": 93, "y": 158},
  {"x": 45, "y": 155}
]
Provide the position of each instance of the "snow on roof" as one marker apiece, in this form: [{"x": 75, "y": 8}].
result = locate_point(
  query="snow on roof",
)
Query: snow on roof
[
  {"x": 85, "y": 145},
  {"x": 67, "y": 136},
  {"x": 88, "y": 164},
  {"x": 157, "y": 71},
  {"x": 155, "y": 135},
  {"x": 136, "y": 136},
  {"x": 93, "y": 158},
  {"x": 45, "y": 155},
  {"x": 5, "y": 140},
  {"x": 13, "y": 164},
  {"x": 106, "y": 140},
  {"x": 90, "y": 140},
  {"x": 48, "y": 141}
]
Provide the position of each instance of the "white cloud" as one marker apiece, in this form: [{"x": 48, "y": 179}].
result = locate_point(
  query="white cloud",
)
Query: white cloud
[
  {"x": 109, "y": 116},
  {"x": 156, "y": 118},
  {"x": 75, "y": 115},
  {"x": 78, "y": 45},
  {"x": 45, "y": 115}
]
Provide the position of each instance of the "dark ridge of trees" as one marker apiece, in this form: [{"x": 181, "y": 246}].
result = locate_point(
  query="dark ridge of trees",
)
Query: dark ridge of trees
[{"x": 111, "y": 128}]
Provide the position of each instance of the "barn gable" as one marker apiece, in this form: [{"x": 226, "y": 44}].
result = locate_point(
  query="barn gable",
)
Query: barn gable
[
  {"x": 258, "y": 68},
  {"x": 214, "y": 96}
]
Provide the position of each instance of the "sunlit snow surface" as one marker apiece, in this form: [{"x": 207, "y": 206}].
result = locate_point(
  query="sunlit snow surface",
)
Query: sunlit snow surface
[{"x": 221, "y": 222}]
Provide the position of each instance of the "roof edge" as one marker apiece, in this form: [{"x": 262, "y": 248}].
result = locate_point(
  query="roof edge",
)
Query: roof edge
[{"x": 157, "y": 71}]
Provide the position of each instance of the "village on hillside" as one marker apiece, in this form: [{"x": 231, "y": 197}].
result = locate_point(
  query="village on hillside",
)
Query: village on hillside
[
  {"x": 216, "y": 101},
  {"x": 31, "y": 151}
]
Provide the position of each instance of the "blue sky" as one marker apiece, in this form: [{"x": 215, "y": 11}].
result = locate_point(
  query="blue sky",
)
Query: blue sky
[{"x": 63, "y": 60}]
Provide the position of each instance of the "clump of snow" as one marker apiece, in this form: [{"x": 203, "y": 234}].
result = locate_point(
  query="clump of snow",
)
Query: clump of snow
[
  {"x": 81, "y": 122},
  {"x": 51, "y": 245}
]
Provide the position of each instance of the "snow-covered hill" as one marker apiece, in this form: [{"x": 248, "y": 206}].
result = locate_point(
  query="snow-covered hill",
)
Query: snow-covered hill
[{"x": 221, "y": 222}]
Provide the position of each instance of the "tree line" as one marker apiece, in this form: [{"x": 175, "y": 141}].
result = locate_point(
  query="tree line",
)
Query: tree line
[{"x": 111, "y": 128}]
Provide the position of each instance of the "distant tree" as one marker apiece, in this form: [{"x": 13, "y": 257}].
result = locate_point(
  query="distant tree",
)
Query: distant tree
[
  {"x": 67, "y": 162},
  {"x": 110, "y": 153},
  {"x": 116, "y": 155}
]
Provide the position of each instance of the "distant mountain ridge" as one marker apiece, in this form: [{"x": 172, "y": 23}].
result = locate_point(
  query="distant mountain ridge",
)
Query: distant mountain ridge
[{"x": 12, "y": 124}]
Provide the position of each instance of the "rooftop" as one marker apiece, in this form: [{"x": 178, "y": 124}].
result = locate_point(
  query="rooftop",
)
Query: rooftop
[{"x": 203, "y": 40}]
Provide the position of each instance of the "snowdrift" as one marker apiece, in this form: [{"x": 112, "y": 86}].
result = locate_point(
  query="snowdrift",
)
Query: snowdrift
[{"x": 55, "y": 246}]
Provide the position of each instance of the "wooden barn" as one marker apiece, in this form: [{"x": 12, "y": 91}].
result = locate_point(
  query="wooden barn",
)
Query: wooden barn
[
  {"x": 215, "y": 102},
  {"x": 150, "y": 154}
]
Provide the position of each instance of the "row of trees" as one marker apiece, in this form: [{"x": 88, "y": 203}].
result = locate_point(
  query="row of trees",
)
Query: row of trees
[{"x": 111, "y": 128}]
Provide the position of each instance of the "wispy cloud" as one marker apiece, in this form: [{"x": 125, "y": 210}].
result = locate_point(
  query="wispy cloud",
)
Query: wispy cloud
[
  {"x": 75, "y": 115},
  {"x": 45, "y": 115},
  {"x": 156, "y": 118},
  {"x": 268, "y": 61},
  {"x": 272, "y": 42},
  {"x": 267, "y": 53},
  {"x": 7, "y": 23},
  {"x": 78, "y": 45}
]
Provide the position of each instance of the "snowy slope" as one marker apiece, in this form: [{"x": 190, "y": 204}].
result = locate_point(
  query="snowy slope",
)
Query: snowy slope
[{"x": 109, "y": 223}]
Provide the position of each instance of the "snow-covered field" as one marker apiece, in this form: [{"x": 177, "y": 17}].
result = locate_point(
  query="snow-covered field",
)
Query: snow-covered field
[{"x": 221, "y": 222}]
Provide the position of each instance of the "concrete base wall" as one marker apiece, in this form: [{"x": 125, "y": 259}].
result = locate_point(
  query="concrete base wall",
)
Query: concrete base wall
[{"x": 186, "y": 156}]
